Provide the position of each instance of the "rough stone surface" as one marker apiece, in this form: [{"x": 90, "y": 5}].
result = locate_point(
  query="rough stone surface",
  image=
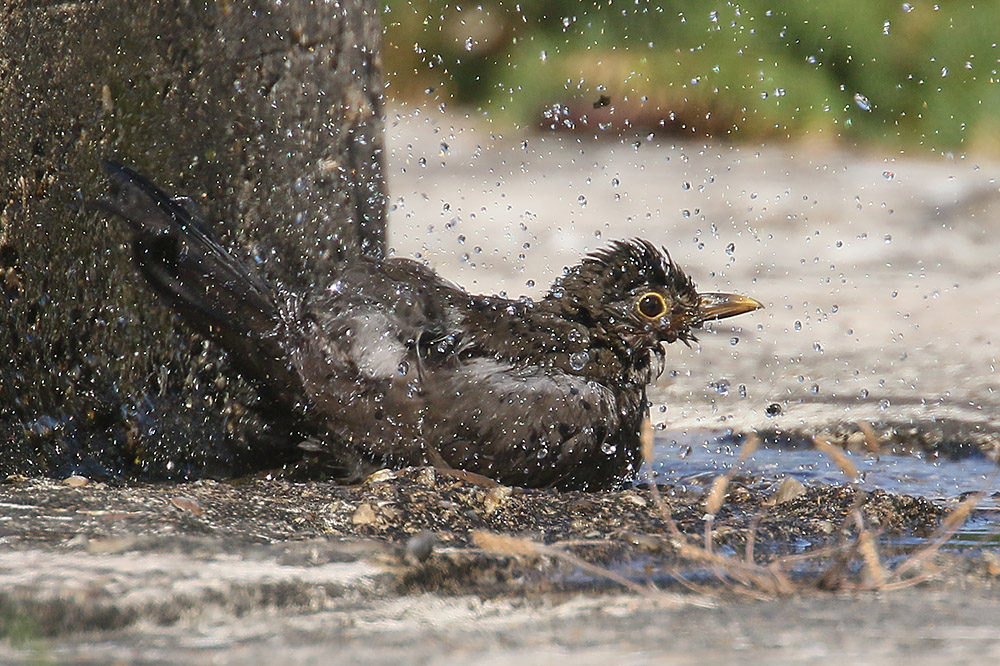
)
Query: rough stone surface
[{"x": 267, "y": 114}]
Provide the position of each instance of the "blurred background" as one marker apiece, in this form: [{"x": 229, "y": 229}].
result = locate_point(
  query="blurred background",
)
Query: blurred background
[{"x": 903, "y": 75}]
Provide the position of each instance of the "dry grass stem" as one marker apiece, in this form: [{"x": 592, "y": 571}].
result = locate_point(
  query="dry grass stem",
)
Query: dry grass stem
[
  {"x": 717, "y": 494},
  {"x": 874, "y": 573},
  {"x": 951, "y": 524},
  {"x": 750, "y": 445},
  {"x": 744, "y": 576},
  {"x": 753, "y": 579},
  {"x": 871, "y": 441},
  {"x": 837, "y": 455},
  {"x": 502, "y": 544}
]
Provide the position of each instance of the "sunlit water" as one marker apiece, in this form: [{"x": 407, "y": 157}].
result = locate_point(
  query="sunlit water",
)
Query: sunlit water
[
  {"x": 696, "y": 457},
  {"x": 691, "y": 460}
]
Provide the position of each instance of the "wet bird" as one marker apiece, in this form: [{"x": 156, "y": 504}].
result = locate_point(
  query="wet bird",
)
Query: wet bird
[{"x": 395, "y": 366}]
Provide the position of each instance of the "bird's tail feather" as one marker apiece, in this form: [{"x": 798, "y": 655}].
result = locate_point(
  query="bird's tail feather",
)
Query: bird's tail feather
[{"x": 213, "y": 290}]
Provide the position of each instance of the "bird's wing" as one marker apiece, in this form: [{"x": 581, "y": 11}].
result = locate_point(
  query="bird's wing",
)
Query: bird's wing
[
  {"x": 531, "y": 426},
  {"x": 363, "y": 348}
]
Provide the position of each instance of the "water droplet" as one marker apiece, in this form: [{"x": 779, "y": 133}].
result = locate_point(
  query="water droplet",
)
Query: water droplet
[
  {"x": 864, "y": 393},
  {"x": 721, "y": 386},
  {"x": 685, "y": 185},
  {"x": 403, "y": 368},
  {"x": 734, "y": 341},
  {"x": 530, "y": 283},
  {"x": 773, "y": 409},
  {"x": 742, "y": 391},
  {"x": 907, "y": 7},
  {"x": 730, "y": 248},
  {"x": 579, "y": 360},
  {"x": 608, "y": 448},
  {"x": 863, "y": 102},
  {"x": 884, "y": 404},
  {"x": 582, "y": 200},
  {"x": 798, "y": 325},
  {"x": 817, "y": 347},
  {"x": 814, "y": 389}
]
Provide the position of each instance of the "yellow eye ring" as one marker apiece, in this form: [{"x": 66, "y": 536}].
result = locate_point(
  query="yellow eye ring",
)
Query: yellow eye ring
[{"x": 651, "y": 305}]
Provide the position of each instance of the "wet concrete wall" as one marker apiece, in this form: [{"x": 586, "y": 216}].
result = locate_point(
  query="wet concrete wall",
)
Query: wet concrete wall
[{"x": 267, "y": 114}]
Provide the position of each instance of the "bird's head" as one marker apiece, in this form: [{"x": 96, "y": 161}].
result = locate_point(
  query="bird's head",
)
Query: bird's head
[{"x": 635, "y": 291}]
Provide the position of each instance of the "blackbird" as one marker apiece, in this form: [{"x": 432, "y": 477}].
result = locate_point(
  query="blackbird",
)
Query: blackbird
[{"x": 395, "y": 366}]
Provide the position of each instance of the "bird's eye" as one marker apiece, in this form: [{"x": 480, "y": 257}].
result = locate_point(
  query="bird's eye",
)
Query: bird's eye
[{"x": 651, "y": 305}]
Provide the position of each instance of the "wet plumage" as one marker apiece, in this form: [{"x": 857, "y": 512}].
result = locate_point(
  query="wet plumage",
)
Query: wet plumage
[{"x": 392, "y": 365}]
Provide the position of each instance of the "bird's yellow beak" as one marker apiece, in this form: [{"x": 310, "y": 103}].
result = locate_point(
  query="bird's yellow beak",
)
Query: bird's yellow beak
[{"x": 720, "y": 306}]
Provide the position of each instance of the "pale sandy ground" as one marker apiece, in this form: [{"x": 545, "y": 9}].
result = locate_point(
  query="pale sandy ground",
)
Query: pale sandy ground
[{"x": 880, "y": 276}]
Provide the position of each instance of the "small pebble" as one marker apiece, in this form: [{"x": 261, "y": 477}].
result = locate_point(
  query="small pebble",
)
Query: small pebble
[
  {"x": 364, "y": 515},
  {"x": 495, "y": 498},
  {"x": 380, "y": 476},
  {"x": 427, "y": 477},
  {"x": 186, "y": 504},
  {"x": 788, "y": 490},
  {"x": 420, "y": 546},
  {"x": 635, "y": 498}
]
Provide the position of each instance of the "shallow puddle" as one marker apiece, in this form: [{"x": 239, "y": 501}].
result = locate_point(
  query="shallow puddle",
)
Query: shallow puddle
[{"x": 690, "y": 460}]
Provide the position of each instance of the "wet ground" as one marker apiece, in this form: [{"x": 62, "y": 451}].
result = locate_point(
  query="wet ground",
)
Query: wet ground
[
  {"x": 879, "y": 277},
  {"x": 422, "y": 566}
]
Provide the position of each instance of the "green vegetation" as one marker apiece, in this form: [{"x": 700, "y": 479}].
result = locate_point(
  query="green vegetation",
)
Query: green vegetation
[{"x": 886, "y": 71}]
